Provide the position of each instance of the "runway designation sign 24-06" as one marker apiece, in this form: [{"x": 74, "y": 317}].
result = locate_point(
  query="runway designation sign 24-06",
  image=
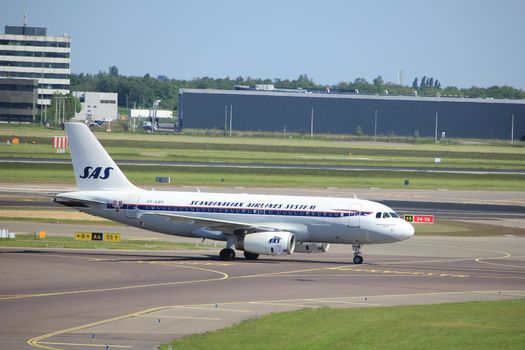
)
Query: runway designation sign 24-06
[
  {"x": 97, "y": 236},
  {"x": 419, "y": 219}
]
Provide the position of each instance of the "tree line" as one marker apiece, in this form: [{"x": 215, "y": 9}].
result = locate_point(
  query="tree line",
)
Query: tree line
[{"x": 140, "y": 92}]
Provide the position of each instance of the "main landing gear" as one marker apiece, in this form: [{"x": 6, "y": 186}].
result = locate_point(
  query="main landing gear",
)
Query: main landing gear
[
  {"x": 358, "y": 259},
  {"x": 251, "y": 256},
  {"x": 227, "y": 254}
]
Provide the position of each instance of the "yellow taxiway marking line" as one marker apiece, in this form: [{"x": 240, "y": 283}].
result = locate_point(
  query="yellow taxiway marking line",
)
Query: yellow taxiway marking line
[
  {"x": 480, "y": 260},
  {"x": 474, "y": 269},
  {"x": 185, "y": 317},
  {"x": 37, "y": 341},
  {"x": 502, "y": 277},
  {"x": 224, "y": 276},
  {"x": 497, "y": 264},
  {"x": 218, "y": 308},
  {"x": 364, "y": 303},
  {"x": 384, "y": 272},
  {"x": 111, "y": 346},
  {"x": 269, "y": 303},
  {"x": 350, "y": 275},
  {"x": 269, "y": 274}
]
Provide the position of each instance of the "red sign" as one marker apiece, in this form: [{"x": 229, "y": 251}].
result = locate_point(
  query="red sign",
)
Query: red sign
[
  {"x": 423, "y": 219},
  {"x": 419, "y": 219}
]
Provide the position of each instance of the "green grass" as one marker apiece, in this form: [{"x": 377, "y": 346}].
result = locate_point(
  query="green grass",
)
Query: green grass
[
  {"x": 125, "y": 146},
  {"x": 69, "y": 242},
  {"x": 202, "y": 176},
  {"x": 474, "y": 325},
  {"x": 293, "y": 155}
]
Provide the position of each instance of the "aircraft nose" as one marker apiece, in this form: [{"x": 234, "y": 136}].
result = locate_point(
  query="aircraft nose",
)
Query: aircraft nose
[{"x": 406, "y": 231}]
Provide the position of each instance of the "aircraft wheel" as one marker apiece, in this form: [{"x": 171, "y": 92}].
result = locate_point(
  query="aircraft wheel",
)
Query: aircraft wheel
[
  {"x": 227, "y": 254},
  {"x": 358, "y": 259},
  {"x": 251, "y": 256}
]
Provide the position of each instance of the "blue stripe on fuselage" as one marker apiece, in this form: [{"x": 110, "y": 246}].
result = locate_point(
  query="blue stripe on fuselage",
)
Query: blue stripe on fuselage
[{"x": 227, "y": 210}]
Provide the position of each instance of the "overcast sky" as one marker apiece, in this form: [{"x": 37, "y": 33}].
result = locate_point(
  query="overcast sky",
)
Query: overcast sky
[{"x": 461, "y": 43}]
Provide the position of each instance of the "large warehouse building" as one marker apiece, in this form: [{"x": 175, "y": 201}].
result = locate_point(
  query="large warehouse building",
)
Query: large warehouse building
[{"x": 345, "y": 113}]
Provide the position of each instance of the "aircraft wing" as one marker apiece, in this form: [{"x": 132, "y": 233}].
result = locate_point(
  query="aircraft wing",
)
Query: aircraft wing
[{"x": 226, "y": 226}]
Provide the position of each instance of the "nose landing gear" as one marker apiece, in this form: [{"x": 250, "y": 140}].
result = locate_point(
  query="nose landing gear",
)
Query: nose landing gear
[{"x": 358, "y": 259}]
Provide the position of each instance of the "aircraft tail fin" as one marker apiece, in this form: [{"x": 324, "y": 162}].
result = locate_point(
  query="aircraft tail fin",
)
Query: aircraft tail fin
[{"x": 94, "y": 169}]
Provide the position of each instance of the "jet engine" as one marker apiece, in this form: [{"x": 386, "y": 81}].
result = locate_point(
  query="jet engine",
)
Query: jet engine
[
  {"x": 311, "y": 247},
  {"x": 267, "y": 243}
]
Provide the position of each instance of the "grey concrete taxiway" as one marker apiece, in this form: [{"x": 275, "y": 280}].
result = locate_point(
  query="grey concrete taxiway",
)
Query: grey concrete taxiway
[
  {"x": 76, "y": 299},
  {"x": 64, "y": 299}
]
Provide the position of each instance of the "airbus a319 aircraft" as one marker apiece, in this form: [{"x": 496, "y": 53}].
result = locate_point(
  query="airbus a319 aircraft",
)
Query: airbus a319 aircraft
[{"x": 254, "y": 224}]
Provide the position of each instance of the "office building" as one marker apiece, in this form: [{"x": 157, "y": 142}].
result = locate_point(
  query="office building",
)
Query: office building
[
  {"x": 28, "y": 52},
  {"x": 97, "y": 106},
  {"x": 18, "y": 100}
]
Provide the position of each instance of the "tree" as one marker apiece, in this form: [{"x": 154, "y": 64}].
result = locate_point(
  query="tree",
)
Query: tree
[
  {"x": 423, "y": 82},
  {"x": 430, "y": 82},
  {"x": 113, "y": 71},
  {"x": 379, "y": 83},
  {"x": 142, "y": 91},
  {"x": 362, "y": 86},
  {"x": 359, "y": 130},
  {"x": 415, "y": 84},
  {"x": 304, "y": 82},
  {"x": 62, "y": 107}
]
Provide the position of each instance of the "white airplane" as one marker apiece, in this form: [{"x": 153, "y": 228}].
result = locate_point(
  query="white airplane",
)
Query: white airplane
[{"x": 255, "y": 224}]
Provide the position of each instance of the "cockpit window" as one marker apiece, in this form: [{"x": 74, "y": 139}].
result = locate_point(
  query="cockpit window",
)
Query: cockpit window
[
  {"x": 385, "y": 215},
  {"x": 394, "y": 215},
  {"x": 378, "y": 215}
]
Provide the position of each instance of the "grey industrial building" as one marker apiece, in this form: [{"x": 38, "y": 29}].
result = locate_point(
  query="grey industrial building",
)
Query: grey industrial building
[
  {"x": 18, "y": 99},
  {"x": 343, "y": 113}
]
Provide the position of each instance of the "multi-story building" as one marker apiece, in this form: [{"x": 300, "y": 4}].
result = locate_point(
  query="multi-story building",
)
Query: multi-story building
[
  {"x": 18, "y": 100},
  {"x": 97, "y": 105},
  {"x": 28, "y": 52}
]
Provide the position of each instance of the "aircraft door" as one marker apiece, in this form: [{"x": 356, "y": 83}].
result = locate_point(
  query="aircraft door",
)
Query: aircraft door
[
  {"x": 133, "y": 201},
  {"x": 354, "y": 219}
]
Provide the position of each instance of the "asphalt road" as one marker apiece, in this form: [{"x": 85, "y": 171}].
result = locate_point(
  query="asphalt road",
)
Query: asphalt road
[
  {"x": 60, "y": 299},
  {"x": 65, "y": 299}
]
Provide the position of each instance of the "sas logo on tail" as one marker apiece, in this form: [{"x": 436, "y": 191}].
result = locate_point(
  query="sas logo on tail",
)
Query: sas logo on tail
[{"x": 96, "y": 173}]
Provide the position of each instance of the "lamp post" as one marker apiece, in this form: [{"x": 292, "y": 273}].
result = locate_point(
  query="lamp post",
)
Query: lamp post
[
  {"x": 154, "y": 116},
  {"x": 436, "y": 129},
  {"x": 312, "y": 124},
  {"x": 375, "y": 125},
  {"x": 41, "y": 88},
  {"x": 231, "y": 119}
]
